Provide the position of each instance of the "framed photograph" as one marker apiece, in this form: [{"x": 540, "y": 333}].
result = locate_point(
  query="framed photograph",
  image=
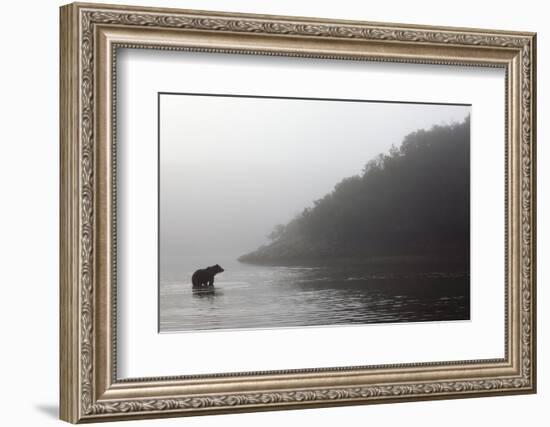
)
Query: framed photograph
[{"x": 266, "y": 212}]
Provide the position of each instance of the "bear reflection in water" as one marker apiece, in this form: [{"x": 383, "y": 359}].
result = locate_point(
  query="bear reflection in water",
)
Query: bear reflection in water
[{"x": 204, "y": 278}]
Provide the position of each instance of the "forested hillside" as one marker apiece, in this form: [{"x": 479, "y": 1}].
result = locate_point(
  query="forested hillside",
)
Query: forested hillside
[{"x": 412, "y": 201}]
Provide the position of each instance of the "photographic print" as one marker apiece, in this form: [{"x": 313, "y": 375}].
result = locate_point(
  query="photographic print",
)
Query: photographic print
[{"x": 291, "y": 212}]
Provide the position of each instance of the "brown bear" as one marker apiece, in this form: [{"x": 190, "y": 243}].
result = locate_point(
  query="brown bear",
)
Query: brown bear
[{"x": 205, "y": 277}]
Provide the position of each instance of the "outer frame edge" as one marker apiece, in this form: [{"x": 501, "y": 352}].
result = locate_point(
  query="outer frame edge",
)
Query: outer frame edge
[{"x": 68, "y": 223}]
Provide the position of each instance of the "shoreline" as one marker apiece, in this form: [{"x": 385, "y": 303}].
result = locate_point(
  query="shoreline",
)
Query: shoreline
[{"x": 403, "y": 261}]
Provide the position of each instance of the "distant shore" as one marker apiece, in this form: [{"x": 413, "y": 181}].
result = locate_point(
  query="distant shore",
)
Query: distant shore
[{"x": 400, "y": 262}]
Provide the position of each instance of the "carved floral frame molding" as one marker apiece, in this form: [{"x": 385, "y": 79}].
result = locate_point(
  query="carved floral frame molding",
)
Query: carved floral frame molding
[{"x": 90, "y": 35}]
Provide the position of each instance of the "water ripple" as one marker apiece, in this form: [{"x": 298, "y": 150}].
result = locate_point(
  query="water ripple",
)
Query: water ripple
[{"x": 270, "y": 297}]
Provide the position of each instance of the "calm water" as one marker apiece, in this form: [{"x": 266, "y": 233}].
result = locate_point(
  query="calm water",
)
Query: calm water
[{"x": 249, "y": 296}]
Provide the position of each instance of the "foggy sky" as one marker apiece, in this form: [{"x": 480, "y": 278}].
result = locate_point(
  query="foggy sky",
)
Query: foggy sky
[{"x": 233, "y": 168}]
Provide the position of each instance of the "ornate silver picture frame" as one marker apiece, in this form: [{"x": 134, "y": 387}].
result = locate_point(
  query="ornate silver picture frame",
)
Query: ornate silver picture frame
[{"x": 92, "y": 36}]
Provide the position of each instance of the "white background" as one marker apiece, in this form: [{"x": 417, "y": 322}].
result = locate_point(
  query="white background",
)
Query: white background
[
  {"x": 145, "y": 353},
  {"x": 29, "y": 172}
]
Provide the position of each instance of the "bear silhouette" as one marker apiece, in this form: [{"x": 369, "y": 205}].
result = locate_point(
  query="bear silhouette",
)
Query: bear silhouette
[{"x": 205, "y": 277}]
